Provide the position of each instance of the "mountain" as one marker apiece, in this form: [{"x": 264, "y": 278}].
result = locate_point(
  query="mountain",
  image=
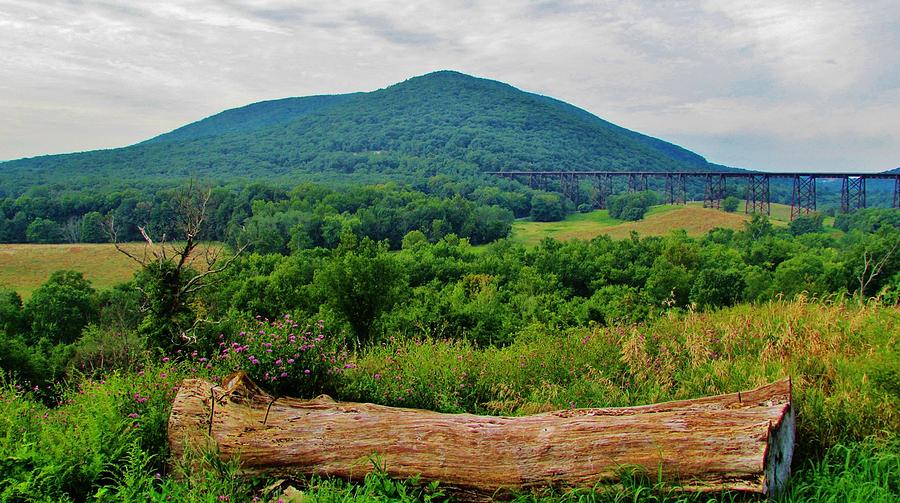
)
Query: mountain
[
  {"x": 252, "y": 117},
  {"x": 443, "y": 122}
]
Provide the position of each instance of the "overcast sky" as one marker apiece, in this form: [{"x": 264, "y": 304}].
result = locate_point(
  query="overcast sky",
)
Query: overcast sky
[{"x": 771, "y": 85}]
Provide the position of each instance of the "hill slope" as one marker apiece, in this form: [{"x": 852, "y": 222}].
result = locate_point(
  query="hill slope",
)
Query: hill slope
[{"x": 443, "y": 122}]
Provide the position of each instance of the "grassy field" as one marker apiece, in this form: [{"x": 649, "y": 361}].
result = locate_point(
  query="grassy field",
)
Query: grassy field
[
  {"x": 24, "y": 267},
  {"x": 659, "y": 221}
]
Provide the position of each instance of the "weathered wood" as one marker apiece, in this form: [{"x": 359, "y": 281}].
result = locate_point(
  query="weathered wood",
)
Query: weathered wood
[{"x": 739, "y": 441}]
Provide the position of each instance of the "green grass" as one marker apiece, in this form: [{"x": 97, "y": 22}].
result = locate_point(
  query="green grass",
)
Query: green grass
[
  {"x": 843, "y": 357},
  {"x": 660, "y": 220}
]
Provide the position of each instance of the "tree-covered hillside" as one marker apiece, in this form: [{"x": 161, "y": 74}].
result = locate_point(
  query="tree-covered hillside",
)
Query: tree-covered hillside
[
  {"x": 252, "y": 117},
  {"x": 444, "y": 122}
]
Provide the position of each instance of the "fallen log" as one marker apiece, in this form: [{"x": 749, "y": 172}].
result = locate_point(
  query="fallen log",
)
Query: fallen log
[{"x": 738, "y": 442}]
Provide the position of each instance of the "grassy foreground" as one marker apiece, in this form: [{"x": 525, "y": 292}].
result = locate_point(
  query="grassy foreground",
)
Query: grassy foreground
[{"x": 103, "y": 439}]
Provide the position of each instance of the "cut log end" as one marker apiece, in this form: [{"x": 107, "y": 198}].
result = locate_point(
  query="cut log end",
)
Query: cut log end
[{"x": 779, "y": 453}]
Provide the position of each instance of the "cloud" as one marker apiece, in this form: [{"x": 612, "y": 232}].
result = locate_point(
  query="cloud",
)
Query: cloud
[{"x": 737, "y": 81}]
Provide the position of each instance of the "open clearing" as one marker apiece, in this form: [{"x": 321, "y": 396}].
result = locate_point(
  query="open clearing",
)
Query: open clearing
[
  {"x": 659, "y": 221},
  {"x": 24, "y": 267}
]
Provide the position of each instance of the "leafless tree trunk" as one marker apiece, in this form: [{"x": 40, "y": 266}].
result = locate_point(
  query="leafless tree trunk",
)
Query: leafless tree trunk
[
  {"x": 872, "y": 266},
  {"x": 72, "y": 229},
  {"x": 191, "y": 205}
]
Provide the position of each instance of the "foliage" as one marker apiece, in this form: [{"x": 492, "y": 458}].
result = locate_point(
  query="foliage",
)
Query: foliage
[
  {"x": 362, "y": 281},
  {"x": 64, "y": 453},
  {"x": 61, "y": 307},
  {"x": 863, "y": 472},
  {"x": 286, "y": 356},
  {"x": 804, "y": 224},
  {"x": 868, "y": 220},
  {"x": 100, "y": 350},
  {"x": 42, "y": 230},
  {"x": 13, "y": 319},
  {"x": 730, "y": 204},
  {"x": 631, "y": 205},
  {"x": 547, "y": 208}
]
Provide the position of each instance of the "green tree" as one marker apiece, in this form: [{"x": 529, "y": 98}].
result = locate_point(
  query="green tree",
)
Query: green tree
[
  {"x": 42, "y": 230},
  {"x": 13, "y": 320},
  {"x": 92, "y": 228},
  {"x": 631, "y": 205},
  {"x": 61, "y": 307},
  {"x": 414, "y": 238},
  {"x": 361, "y": 281},
  {"x": 669, "y": 283},
  {"x": 547, "y": 208},
  {"x": 802, "y": 273}
]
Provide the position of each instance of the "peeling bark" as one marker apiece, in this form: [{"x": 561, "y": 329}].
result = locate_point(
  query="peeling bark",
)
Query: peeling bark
[{"x": 739, "y": 441}]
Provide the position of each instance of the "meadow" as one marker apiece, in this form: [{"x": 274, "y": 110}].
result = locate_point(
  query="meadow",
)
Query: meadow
[
  {"x": 24, "y": 267},
  {"x": 660, "y": 220}
]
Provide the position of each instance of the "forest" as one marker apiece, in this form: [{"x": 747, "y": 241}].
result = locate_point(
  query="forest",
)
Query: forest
[{"x": 360, "y": 294}]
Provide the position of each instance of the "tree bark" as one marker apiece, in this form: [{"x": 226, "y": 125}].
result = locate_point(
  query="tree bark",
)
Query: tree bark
[{"x": 739, "y": 441}]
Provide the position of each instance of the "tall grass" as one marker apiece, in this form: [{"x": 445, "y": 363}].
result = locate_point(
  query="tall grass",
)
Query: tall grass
[
  {"x": 842, "y": 358},
  {"x": 105, "y": 439}
]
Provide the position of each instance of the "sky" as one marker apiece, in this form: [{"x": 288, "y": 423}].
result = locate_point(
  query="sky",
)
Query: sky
[{"x": 769, "y": 85}]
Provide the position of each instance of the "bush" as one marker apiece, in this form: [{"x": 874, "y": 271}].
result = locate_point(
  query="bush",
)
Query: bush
[
  {"x": 100, "y": 350},
  {"x": 12, "y": 317},
  {"x": 806, "y": 224},
  {"x": 631, "y": 205},
  {"x": 285, "y": 356},
  {"x": 361, "y": 281},
  {"x": 730, "y": 204},
  {"x": 65, "y": 453}
]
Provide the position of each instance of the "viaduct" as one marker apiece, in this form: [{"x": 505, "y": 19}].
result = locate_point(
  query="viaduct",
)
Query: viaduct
[{"x": 803, "y": 198}]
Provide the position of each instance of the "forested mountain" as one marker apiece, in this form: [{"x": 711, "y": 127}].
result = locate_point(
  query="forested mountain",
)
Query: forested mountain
[
  {"x": 252, "y": 117},
  {"x": 443, "y": 122}
]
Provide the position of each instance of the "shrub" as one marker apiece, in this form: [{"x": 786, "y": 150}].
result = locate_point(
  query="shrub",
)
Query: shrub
[
  {"x": 65, "y": 453},
  {"x": 806, "y": 223},
  {"x": 631, "y": 205},
  {"x": 101, "y": 350},
  {"x": 285, "y": 356},
  {"x": 730, "y": 204}
]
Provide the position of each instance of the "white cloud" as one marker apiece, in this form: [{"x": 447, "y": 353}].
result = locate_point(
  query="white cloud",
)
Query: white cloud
[{"x": 722, "y": 77}]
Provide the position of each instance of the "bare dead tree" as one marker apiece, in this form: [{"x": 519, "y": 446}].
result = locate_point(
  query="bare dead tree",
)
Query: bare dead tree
[
  {"x": 873, "y": 265},
  {"x": 179, "y": 257},
  {"x": 72, "y": 229}
]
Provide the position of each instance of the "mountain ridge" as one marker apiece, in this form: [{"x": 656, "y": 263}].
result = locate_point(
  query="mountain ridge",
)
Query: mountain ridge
[{"x": 442, "y": 122}]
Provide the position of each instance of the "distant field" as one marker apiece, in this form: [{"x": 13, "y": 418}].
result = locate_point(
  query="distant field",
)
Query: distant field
[
  {"x": 24, "y": 267},
  {"x": 660, "y": 221}
]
